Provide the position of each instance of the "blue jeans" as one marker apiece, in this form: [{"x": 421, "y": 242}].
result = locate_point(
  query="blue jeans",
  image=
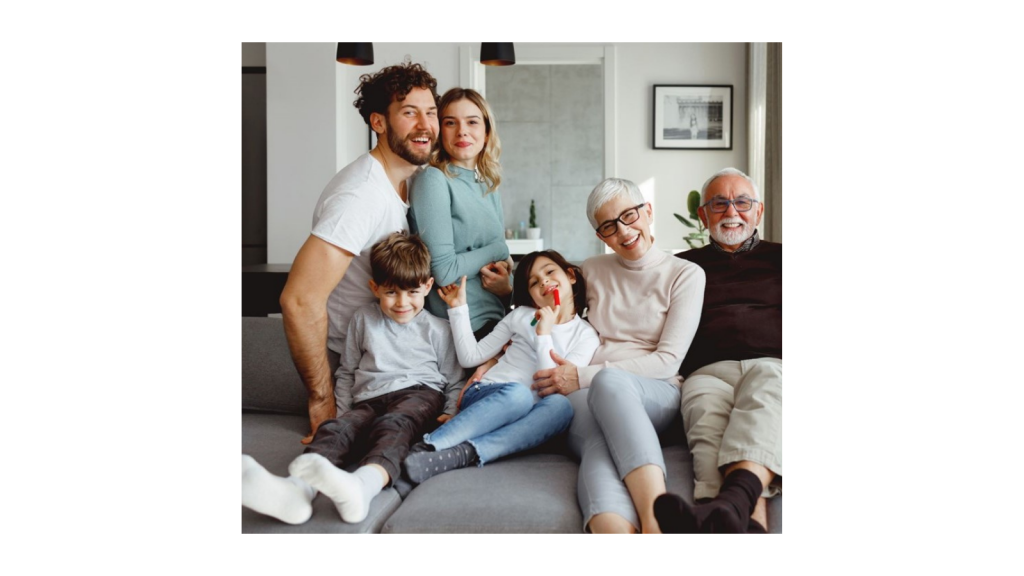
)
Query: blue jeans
[{"x": 499, "y": 419}]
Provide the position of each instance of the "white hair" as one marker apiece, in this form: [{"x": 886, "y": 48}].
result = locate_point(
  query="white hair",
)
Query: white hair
[
  {"x": 607, "y": 190},
  {"x": 728, "y": 172}
]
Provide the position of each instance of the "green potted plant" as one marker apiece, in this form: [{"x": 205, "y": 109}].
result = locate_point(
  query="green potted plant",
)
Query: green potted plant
[
  {"x": 533, "y": 232},
  {"x": 700, "y": 237}
]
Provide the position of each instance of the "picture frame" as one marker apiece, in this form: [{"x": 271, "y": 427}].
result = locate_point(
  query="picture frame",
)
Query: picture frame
[{"x": 692, "y": 117}]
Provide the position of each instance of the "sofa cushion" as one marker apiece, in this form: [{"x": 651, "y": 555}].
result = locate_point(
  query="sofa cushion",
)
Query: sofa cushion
[
  {"x": 532, "y": 493},
  {"x": 535, "y": 493},
  {"x": 270, "y": 381},
  {"x": 274, "y": 441}
]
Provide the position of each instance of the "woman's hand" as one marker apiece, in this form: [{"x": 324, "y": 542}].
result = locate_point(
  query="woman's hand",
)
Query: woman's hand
[
  {"x": 495, "y": 278},
  {"x": 563, "y": 379},
  {"x": 546, "y": 318},
  {"x": 453, "y": 295}
]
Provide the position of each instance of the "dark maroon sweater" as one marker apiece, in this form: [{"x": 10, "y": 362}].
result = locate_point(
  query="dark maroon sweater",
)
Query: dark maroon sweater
[{"x": 742, "y": 315}]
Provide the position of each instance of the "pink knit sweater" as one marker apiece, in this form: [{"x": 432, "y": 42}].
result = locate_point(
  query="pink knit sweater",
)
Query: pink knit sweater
[{"x": 646, "y": 312}]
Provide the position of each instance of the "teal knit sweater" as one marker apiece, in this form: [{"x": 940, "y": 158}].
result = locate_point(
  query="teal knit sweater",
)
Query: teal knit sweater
[{"x": 464, "y": 230}]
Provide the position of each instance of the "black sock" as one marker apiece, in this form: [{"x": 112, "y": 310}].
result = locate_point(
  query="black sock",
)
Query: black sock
[
  {"x": 729, "y": 512},
  {"x": 671, "y": 512},
  {"x": 420, "y": 466}
]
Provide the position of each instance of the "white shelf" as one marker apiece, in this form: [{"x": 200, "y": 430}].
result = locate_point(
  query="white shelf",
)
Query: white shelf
[{"x": 524, "y": 246}]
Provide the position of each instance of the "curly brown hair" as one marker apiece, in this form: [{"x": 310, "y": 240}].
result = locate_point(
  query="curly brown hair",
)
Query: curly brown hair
[{"x": 392, "y": 84}]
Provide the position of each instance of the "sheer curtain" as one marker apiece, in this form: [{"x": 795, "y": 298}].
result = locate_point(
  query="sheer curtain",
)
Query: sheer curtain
[{"x": 765, "y": 143}]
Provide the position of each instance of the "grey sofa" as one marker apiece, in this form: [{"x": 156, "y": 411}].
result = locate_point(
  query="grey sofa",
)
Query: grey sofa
[{"x": 532, "y": 492}]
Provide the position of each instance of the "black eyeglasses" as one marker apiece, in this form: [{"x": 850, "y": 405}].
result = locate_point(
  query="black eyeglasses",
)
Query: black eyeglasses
[
  {"x": 610, "y": 227},
  {"x": 719, "y": 205}
]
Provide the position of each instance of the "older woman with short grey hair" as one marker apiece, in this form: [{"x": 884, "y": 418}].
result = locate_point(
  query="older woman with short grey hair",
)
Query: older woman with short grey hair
[{"x": 646, "y": 306}]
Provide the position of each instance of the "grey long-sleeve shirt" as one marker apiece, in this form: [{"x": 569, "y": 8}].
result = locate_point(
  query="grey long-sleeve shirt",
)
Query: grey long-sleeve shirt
[{"x": 384, "y": 356}]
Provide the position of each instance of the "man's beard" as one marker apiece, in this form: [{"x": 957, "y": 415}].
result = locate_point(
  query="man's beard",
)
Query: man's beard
[
  {"x": 403, "y": 146},
  {"x": 732, "y": 236}
]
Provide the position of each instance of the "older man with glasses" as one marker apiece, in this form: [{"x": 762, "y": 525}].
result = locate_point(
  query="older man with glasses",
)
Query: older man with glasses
[{"x": 732, "y": 391}]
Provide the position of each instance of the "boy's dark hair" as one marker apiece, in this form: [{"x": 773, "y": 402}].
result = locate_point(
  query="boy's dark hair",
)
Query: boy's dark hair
[
  {"x": 521, "y": 280},
  {"x": 377, "y": 91},
  {"x": 401, "y": 261}
]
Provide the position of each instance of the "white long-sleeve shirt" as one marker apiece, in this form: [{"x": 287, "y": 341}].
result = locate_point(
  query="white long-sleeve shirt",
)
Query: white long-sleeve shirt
[{"x": 576, "y": 341}]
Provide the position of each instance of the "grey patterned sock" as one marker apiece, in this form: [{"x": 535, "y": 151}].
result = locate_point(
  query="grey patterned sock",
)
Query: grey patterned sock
[{"x": 420, "y": 466}]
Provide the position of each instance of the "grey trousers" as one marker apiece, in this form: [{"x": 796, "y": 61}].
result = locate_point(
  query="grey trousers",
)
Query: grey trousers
[
  {"x": 732, "y": 411},
  {"x": 615, "y": 431}
]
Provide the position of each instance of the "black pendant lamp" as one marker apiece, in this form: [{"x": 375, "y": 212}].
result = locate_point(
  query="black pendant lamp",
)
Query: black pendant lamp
[
  {"x": 355, "y": 53},
  {"x": 497, "y": 54}
]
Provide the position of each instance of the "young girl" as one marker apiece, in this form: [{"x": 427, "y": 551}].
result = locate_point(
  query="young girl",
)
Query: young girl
[{"x": 501, "y": 415}]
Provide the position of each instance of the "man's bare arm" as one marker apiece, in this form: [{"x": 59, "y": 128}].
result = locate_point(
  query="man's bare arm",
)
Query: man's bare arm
[{"x": 317, "y": 269}]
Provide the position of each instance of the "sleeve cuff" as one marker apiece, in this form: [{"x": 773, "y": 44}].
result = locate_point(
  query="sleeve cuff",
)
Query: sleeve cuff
[
  {"x": 587, "y": 373},
  {"x": 458, "y": 311}
]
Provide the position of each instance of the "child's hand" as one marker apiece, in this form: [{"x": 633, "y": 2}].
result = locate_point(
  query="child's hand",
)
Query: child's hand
[
  {"x": 546, "y": 317},
  {"x": 444, "y": 418},
  {"x": 453, "y": 295}
]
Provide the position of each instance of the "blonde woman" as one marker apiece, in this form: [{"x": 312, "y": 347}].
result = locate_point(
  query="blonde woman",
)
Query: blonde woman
[{"x": 456, "y": 209}]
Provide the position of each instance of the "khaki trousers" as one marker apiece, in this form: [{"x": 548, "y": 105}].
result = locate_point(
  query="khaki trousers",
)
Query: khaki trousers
[{"x": 732, "y": 411}]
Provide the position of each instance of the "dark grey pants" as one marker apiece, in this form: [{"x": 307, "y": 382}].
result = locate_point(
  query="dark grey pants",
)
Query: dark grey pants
[{"x": 388, "y": 425}]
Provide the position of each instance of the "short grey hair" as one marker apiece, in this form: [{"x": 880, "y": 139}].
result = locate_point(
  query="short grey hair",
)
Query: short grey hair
[
  {"x": 607, "y": 190},
  {"x": 728, "y": 172}
]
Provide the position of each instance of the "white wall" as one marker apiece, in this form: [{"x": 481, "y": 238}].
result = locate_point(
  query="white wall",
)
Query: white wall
[
  {"x": 670, "y": 174},
  {"x": 301, "y": 141},
  {"x": 313, "y": 130}
]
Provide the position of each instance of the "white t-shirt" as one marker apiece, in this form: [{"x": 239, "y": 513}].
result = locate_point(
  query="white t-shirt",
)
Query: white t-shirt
[
  {"x": 358, "y": 208},
  {"x": 576, "y": 341}
]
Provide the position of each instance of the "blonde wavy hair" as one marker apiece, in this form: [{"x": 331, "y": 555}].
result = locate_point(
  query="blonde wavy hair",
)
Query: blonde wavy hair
[{"x": 487, "y": 162}]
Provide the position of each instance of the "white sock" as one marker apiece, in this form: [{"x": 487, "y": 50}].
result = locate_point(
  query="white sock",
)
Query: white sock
[
  {"x": 287, "y": 499},
  {"x": 350, "y": 492}
]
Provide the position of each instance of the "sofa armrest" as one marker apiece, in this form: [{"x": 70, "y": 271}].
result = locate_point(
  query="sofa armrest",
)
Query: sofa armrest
[{"x": 270, "y": 381}]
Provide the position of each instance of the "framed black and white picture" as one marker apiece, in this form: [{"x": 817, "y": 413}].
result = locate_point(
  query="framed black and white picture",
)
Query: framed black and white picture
[{"x": 692, "y": 117}]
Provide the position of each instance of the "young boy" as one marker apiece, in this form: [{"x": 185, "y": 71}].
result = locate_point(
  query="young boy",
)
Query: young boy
[{"x": 398, "y": 371}]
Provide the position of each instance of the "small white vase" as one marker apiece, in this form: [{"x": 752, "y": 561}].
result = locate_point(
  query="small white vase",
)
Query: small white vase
[{"x": 533, "y": 233}]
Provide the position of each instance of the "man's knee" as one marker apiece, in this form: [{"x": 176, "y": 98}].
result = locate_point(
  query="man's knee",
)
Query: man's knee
[
  {"x": 762, "y": 384},
  {"x": 694, "y": 387}
]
